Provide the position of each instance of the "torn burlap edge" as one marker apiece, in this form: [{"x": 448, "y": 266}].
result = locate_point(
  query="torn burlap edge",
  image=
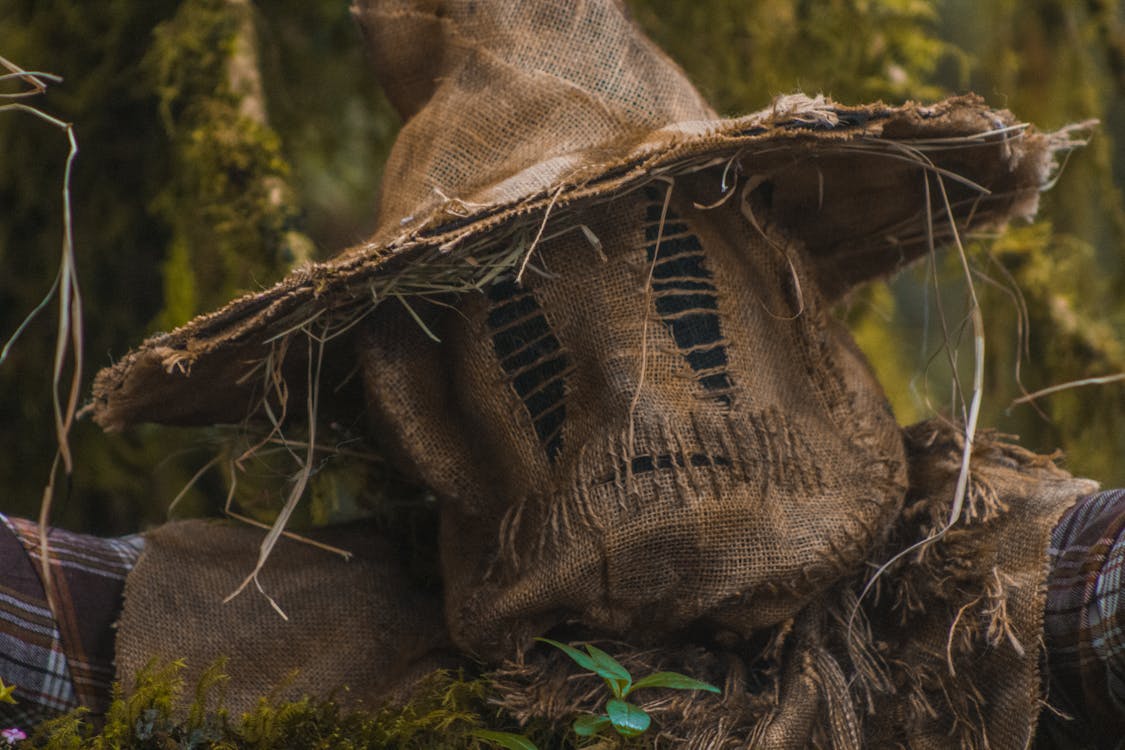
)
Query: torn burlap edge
[
  {"x": 212, "y": 369},
  {"x": 943, "y": 651}
]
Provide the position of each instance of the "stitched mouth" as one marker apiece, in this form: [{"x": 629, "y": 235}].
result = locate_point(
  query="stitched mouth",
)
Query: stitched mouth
[{"x": 649, "y": 463}]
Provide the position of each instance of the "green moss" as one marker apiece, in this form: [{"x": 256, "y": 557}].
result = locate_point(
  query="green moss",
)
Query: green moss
[
  {"x": 446, "y": 708},
  {"x": 743, "y": 54},
  {"x": 869, "y": 317},
  {"x": 180, "y": 294},
  {"x": 232, "y": 213}
]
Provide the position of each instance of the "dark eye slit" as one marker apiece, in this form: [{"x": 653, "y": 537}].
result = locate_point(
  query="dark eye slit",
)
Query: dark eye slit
[
  {"x": 532, "y": 358},
  {"x": 685, "y": 298}
]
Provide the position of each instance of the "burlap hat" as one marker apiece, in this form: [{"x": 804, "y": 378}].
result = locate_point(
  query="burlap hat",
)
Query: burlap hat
[
  {"x": 517, "y": 111},
  {"x": 594, "y": 318}
]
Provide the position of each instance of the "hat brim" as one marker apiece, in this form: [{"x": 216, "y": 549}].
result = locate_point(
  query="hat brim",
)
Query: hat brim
[{"x": 865, "y": 189}]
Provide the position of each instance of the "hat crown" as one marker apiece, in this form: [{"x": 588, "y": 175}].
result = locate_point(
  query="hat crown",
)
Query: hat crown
[{"x": 502, "y": 98}]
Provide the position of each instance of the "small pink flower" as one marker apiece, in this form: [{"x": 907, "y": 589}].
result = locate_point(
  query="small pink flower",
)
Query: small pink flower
[{"x": 12, "y": 735}]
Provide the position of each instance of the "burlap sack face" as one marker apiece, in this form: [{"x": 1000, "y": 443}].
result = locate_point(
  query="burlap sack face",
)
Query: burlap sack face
[{"x": 638, "y": 438}]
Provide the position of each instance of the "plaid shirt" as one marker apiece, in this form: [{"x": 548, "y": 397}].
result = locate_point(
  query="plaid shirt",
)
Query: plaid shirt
[
  {"x": 1085, "y": 626},
  {"x": 59, "y": 661}
]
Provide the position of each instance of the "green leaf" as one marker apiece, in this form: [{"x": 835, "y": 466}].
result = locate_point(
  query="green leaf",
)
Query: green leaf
[
  {"x": 673, "y": 680},
  {"x": 627, "y": 719},
  {"x": 6, "y": 693},
  {"x": 589, "y": 725},
  {"x": 606, "y": 666},
  {"x": 584, "y": 661},
  {"x": 505, "y": 739}
]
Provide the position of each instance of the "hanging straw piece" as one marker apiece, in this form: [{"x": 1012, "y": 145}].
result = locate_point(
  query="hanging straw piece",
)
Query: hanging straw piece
[
  {"x": 970, "y": 428},
  {"x": 68, "y": 340},
  {"x": 302, "y": 481},
  {"x": 1104, "y": 380}
]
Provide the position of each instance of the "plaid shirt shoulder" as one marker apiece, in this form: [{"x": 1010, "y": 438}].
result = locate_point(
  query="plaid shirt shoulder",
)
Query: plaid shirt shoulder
[
  {"x": 59, "y": 660},
  {"x": 1084, "y": 626}
]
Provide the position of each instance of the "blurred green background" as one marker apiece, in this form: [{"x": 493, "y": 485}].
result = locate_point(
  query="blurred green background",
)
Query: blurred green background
[{"x": 191, "y": 187}]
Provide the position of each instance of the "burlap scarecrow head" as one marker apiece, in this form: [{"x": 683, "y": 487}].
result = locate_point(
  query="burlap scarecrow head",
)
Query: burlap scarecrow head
[{"x": 594, "y": 319}]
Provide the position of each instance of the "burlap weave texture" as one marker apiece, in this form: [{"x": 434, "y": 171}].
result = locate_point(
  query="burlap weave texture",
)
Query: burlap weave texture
[
  {"x": 360, "y": 624},
  {"x": 519, "y": 116},
  {"x": 496, "y": 79}
]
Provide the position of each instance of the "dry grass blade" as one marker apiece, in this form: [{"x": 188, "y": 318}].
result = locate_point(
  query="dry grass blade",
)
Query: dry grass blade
[
  {"x": 302, "y": 479},
  {"x": 38, "y": 80},
  {"x": 978, "y": 370},
  {"x": 539, "y": 234},
  {"x": 191, "y": 483},
  {"x": 970, "y": 428},
  {"x": 418, "y": 319},
  {"x": 273, "y": 382},
  {"x": 1104, "y": 380},
  {"x": 68, "y": 340},
  {"x": 336, "y": 450},
  {"x": 747, "y": 210},
  {"x": 1010, "y": 288},
  {"x": 289, "y": 535}
]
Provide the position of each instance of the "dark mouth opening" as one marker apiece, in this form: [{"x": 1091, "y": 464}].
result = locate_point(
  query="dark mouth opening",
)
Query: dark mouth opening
[{"x": 648, "y": 463}]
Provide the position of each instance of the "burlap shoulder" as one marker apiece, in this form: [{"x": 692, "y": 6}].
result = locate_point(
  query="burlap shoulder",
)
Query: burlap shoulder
[
  {"x": 961, "y": 622},
  {"x": 358, "y": 624},
  {"x": 942, "y": 652}
]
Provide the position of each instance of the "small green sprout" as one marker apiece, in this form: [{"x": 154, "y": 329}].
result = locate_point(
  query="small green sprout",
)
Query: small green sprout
[{"x": 625, "y": 718}]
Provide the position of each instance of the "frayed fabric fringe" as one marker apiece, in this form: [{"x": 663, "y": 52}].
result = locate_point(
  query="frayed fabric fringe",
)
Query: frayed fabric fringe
[{"x": 915, "y": 663}]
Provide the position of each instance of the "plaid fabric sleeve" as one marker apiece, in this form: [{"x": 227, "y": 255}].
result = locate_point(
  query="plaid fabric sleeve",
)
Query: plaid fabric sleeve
[
  {"x": 1085, "y": 625},
  {"x": 60, "y": 660}
]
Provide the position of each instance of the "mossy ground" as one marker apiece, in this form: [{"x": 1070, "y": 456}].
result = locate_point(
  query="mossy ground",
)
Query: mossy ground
[{"x": 446, "y": 709}]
